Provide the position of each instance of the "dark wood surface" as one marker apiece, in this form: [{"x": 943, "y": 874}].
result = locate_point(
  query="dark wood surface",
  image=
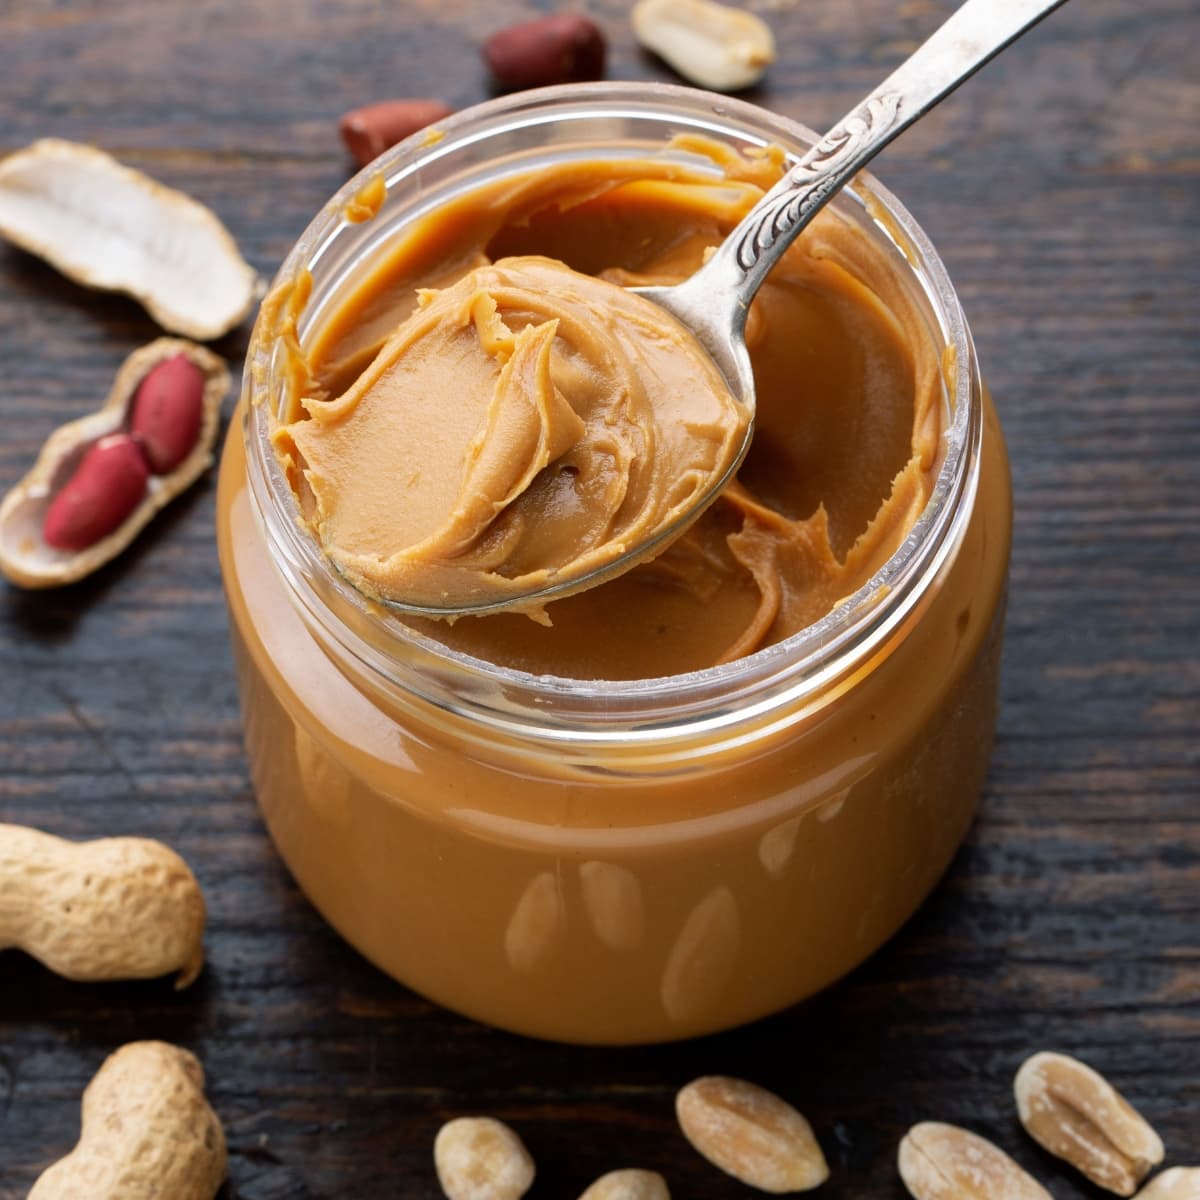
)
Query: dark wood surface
[{"x": 1063, "y": 189}]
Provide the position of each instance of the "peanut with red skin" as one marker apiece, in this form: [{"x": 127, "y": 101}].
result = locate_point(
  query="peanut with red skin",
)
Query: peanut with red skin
[
  {"x": 167, "y": 411},
  {"x": 372, "y": 129},
  {"x": 98, "y": 480},
  {"x": 560, "y": 48},
  {"x": 106, "y": 487}
]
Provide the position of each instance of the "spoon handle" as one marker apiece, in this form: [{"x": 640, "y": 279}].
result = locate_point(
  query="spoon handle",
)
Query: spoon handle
[{"x": 975, "y": 33}]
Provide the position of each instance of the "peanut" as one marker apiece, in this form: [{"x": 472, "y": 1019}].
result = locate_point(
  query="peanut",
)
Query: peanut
[
  {"x": 167, "y": 411},
  {"x": 751, "y": 1134},
  {"x": 74, "y": 206},
  {"x": 712, "y": 45},
  {"x": 370, "y": 130},
  {"x": 479, "y": 1158},
  {"x": 944, "y": 1162},
  {"x": 147, "y": 1131},
  {"x": 99, "y": 480},
  {"x": 103, "y": 491},
  {"x": 560, "y": 48},
  {"x": 1179, "y": 1183},
  {"x": 1076, "y": 1114},
  {"x": 118, "y": 908},
  {"x": 629, "y": 1184}
]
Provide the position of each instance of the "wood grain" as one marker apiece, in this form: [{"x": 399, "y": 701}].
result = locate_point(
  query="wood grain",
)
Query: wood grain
[{"x": 1063, "y": 190}]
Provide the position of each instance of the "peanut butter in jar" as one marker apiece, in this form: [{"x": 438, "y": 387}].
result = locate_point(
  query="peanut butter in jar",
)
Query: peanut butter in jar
[{"x": 696, "y": 793}]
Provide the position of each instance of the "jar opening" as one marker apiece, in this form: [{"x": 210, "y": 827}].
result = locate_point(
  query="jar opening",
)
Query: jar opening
[{"x": 516, "y": 134}]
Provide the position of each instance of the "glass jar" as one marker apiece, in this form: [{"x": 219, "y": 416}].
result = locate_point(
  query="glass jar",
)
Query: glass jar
[{"x": 615, "y": 862}]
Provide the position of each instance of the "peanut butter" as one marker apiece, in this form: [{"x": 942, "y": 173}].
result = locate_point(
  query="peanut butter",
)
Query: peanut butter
[
  {"x": 491, "y": 408},
  {"x": 560, "y": 852},
  {"x": 525, "y": 425}
]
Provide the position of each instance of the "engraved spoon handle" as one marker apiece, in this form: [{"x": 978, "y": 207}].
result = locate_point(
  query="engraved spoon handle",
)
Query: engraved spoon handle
[{"x": 975, "y": 33}]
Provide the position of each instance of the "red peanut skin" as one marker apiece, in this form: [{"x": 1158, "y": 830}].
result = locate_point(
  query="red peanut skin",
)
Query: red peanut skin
[
  {"x": 167, "y": 412},
  {"x": 107, "y": 486},
  {"x": 561, "y": 48},
  {"x": 370, "y": 130}
]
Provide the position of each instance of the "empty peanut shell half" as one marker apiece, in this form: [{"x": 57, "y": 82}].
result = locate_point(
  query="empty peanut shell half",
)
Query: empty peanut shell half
[
  {"x": 1075, "y": 1113},
  {"x": 110, "y": 227},
  {"x": 710, "y": 44},
  {"x": 99, "y": 480}
]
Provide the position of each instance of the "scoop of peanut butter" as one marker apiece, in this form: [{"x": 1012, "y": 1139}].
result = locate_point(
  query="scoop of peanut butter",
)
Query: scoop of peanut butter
[
  {"x": 487, "y": 404},
  {"x": 520, "y": 428}
]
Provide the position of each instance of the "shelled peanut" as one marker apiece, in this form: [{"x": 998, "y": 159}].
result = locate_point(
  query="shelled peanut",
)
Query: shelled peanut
[
  {"x": 480, "y": 1158},
  {"x": 751, "y": 1134},
  {"x": 98, "y": 481},
  {"x": 368, "y": 131},
  {"x": 1075, "y": 1113},
  {"x": 147, "y": 1131},
  {"x": 116, "y": 908},
  {"x": 564, "y": 47}
]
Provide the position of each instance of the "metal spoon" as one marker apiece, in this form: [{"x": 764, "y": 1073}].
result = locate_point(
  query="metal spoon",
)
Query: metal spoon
[{"x": 713, "y": 303}]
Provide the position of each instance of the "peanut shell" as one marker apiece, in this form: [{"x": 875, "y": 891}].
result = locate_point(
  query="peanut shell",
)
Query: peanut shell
[
  {"x": 629, "y": 1184},
  {"x": 1179, "y": 1183},
  {"x": 368, "y": 131},
  {"x": 115, "y": 908},
  {"x": 26, "y": 558},
  {"x": 713, "y": 45},
  {"x": 115, "y": 229},
  {"x": 147, "y": 1131}
]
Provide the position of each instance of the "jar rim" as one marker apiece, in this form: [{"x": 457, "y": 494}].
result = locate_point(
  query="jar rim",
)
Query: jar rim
[{"x": 756, "y": 688}]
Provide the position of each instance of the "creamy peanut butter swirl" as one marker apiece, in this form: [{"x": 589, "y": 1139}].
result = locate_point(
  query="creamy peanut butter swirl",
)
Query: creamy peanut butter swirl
[
  {"x": 525, "y": 425},
  {"x": 488, "y": 404}
]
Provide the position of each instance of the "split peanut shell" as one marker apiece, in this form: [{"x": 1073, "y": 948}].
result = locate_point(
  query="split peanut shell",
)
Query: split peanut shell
[
  {"x": 480, "y": 1158},
  {"x": 26, "y": 558},
  {"x": 115, "y": 229},
  {"x": 147, "y": 1130}
]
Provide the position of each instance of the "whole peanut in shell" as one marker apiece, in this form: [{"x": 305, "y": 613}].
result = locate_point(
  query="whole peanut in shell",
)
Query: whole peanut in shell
[
  {"x": 147, "y": 1132},
  {"x": 117, "y": 908}
]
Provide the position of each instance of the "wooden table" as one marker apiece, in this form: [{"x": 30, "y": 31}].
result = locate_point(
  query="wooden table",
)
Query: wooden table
[{"x": 1062, "y": 189}]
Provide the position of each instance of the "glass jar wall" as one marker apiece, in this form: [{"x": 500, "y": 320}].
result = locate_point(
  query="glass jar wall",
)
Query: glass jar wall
[{"x": 614, "y": 861}]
